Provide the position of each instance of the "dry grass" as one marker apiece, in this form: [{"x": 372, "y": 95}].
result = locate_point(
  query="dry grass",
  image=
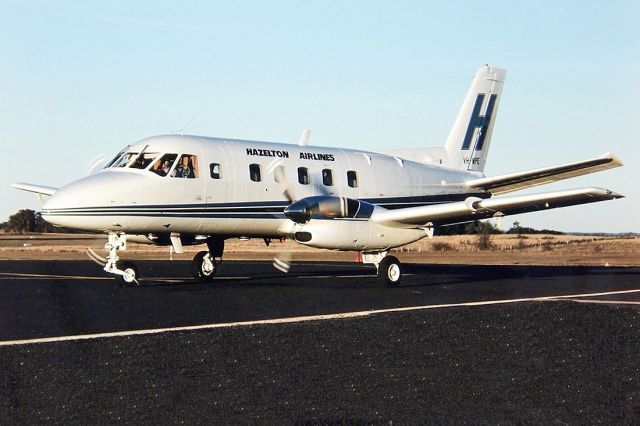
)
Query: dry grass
[{"x": 506, "y": 249}]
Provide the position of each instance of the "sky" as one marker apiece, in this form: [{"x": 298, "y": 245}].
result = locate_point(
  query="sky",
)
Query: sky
[{"x": 82, "y": 79}]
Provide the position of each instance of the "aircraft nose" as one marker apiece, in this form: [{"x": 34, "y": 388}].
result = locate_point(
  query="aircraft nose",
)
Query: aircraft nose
[{"x": 78, "y": 204}]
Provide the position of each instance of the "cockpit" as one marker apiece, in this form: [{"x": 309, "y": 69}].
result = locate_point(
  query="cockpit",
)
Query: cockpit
[{"x": 161, "y": 164}]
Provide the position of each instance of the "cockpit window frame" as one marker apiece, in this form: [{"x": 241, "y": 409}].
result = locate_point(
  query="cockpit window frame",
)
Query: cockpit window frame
[
  {"x": 117, "y": 157},
  {"x": 130, "y": 157},
  {"x": 160, "y": 160},
  {"x": 151, "y": 161},
  {"x": 192, "y": 167}
]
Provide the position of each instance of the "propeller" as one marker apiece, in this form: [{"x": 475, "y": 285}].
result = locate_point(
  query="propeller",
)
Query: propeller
[
  {"x": 301, "y": 210},
  {"x": 283, "y": 259}
]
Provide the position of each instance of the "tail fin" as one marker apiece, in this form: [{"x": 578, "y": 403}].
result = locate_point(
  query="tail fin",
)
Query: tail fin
[{"x": 468, "y": 143}]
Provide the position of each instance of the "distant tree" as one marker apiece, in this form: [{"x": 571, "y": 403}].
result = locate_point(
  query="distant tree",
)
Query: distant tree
[
  {"x": 484, "y": 236},
  {"x": 24, "y": 221},
  {"x": 471, "y": 228},
  {"x": 44, "y": 226},
  {"x": 518, "y": 229},
  {"x": 458, "y": 229}
]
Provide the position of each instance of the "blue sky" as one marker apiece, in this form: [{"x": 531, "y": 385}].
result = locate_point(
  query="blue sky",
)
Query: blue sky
[{"x": 83, "y": 79}]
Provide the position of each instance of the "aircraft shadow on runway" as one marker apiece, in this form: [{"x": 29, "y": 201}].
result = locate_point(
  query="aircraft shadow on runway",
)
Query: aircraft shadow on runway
[{"x": 416, "y": 275}]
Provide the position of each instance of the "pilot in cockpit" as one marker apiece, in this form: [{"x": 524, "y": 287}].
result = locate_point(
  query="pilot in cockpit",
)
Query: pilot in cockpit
[{"x": 186, "y": 167}]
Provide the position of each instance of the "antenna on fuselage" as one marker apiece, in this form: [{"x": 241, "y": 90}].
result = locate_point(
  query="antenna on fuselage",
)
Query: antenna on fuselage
[
  {"x": 304, "y": 137},
  {"x": 182, "y": 129}
]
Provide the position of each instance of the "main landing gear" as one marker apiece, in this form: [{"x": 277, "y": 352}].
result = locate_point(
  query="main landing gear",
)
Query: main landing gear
[
  {"x": 205, "y": 263},
  {"x": 389, "y": 270},
  {"x": 203, "y": 267}
]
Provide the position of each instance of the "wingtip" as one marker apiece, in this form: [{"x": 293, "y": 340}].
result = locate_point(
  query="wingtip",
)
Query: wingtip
[{"x": 615, "y": 160}]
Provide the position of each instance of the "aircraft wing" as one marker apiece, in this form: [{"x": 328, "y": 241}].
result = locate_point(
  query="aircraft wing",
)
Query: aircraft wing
[
  {"x": 474, "y": 208},
  {"x": 38, "y": 189},
  {"x": 516, "y": 181}
]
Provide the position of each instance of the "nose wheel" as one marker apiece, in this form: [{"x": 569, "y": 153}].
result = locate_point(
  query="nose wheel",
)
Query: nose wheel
[
  {"x": 130, "y": 274},
  {"x": 125, "y": 272}
]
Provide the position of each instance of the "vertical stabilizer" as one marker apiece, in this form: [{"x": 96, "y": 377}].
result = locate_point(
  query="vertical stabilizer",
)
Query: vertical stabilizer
[{"x": 468, "y": 143}]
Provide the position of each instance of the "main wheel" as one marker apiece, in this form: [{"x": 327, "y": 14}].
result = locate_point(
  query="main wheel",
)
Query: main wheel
[
  {"x": 131, "y": 274},
  {"x": 203, "y": 266},
  {"x": 389, "y": 271}
]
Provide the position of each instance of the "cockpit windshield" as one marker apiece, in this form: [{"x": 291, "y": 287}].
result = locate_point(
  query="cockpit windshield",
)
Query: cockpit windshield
[
  {"x": 124, "y": 159},
  {"x": 171, "y": 164},
  {"x": 144, "y": 160}
]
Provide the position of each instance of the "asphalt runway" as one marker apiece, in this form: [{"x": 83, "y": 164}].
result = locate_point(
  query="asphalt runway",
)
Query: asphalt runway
[
  {"x": 42, "y": 299},
  {"x": 456, "y": 345}
]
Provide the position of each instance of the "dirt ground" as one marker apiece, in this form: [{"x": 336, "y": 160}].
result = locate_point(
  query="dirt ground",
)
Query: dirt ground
[{"x": 465, "y": 249}]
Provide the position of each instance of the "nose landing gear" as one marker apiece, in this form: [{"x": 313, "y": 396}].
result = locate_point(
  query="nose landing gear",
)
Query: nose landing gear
[{"x": 126, "y": 272}]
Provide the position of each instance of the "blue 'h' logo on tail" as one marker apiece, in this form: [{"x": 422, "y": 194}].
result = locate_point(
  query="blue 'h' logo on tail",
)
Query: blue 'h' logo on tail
[{"x": 479, "y": 121}]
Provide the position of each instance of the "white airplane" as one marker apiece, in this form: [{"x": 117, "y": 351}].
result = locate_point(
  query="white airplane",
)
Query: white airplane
[{"x": 181, "y": 190}]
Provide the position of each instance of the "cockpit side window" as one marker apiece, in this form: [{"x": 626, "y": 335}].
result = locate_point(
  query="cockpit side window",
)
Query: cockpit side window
[
  {"x": 125, "y": 159},
  {"x": 162, "y": 166},
  {"x": 214, "y": 169},
  {"x": 143, "y": 161},
  {"x": 187, "y": 167}
]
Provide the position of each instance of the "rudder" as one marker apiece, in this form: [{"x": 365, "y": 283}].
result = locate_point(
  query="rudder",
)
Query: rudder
[{"x": 470, "y": 138}]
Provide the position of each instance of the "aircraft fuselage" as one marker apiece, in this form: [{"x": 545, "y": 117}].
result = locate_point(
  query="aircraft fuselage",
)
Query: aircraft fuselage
[{"x": 232, "y": 181}]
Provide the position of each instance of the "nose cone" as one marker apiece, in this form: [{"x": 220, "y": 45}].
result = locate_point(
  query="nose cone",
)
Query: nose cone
[
  {"x": 298, "y": 212},
  {"x": 73, "y": 205}
]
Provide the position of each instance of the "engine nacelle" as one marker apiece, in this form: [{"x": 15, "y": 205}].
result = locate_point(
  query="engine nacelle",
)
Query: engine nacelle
[
  {"x": 328, "y": 207},
  {"x": 349, "y": 234},
  {"x": 341, "y": 223}
]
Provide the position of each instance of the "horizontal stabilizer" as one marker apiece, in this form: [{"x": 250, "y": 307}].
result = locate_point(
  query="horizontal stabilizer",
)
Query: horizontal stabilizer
[
  {"x": 38, "y": 189},
  {"x": 521, "y": 180},
  {"x": 476, "y": 208}
]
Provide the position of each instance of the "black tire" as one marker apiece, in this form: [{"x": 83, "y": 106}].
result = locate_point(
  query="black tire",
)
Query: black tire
[
  {"x": 389, "y": 271},
  {"x": 203, "y": 267},
  {"x": 132, "y": 275}
]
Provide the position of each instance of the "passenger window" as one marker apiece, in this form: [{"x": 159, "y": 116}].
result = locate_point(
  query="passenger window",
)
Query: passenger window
[
  {"x": 254, "y": 172},
  {"x": 327, "y": 177},
  {"x": 187, "y": 167},
  {"x": 143, "y": 161},
  {"x": 352, "y": 179},
  {"x": 214, "y": 168},
  {"x": 162, "y": 166},
  {"x": 303, "y": 175}
]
